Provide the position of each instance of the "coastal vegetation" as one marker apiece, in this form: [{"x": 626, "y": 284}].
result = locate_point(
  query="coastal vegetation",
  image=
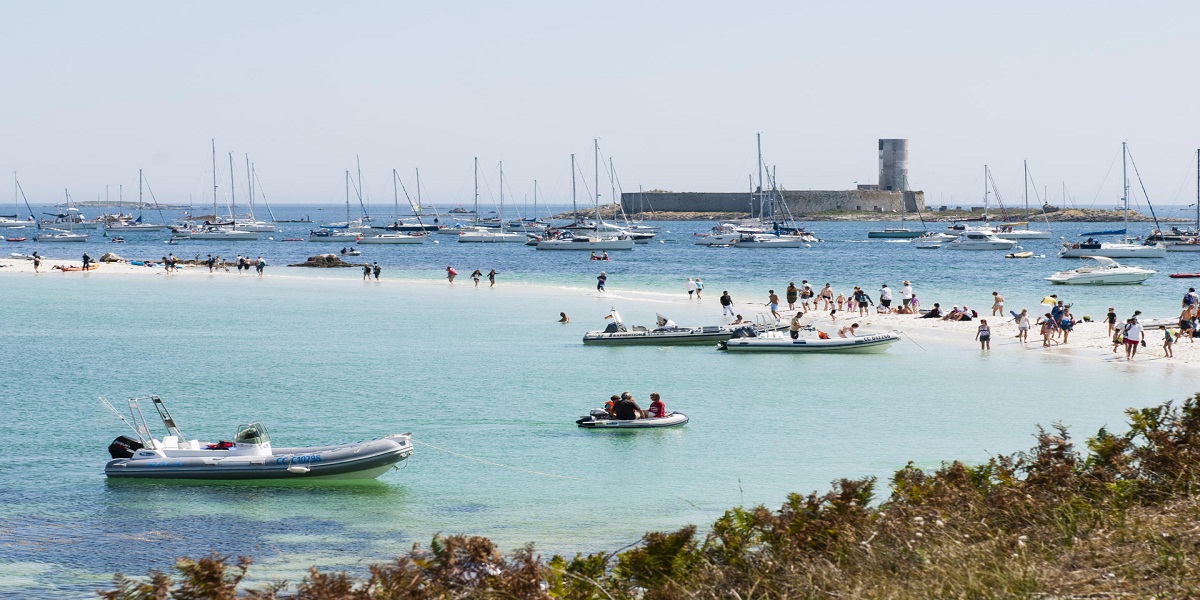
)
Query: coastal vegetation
[{"x": 1116, "y": 517}]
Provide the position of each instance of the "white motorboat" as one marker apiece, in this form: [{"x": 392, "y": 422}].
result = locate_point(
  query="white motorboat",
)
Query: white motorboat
[
  {"x": 599, "y": 419},
  {"x": 584, "y": 242},
  {"x": 667, "y": 332},
  {"x": 249, "y": 456},
  {"x": 333, "y": 235},
  {"x": 1010, "y": 231},
  {"x": 394, "y": 238},
  {"x": 927, "y": 245},
  {"x": 978, "y": 240},
  {"x": 1091, "y": 248},
  {"x": 1108, "y": 272},
  {"x": 895, "y": 233},
  {"x": 769, "y": 240},
  {"x": 222, "y": 233},
  {"x": 58, "y": 235},
  {"x": 485, "y": 235},
  {"x": 812, "y": 341},
  {"x": 936, "y": 236}
]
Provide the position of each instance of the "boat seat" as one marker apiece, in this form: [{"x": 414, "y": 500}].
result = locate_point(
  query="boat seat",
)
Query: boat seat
[{"x": 170, "y": 441}]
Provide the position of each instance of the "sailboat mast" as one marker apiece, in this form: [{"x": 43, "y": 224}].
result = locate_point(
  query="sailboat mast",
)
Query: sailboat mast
[
  {"x": 359, "y": 189},
  {"x": 214, "y": 157},
  {"x": 574, "y": 207},
  {"x": 1026, "y": 162},
  {"x": 758, "y": 137},
  {"x": 1197, "y": 189},
  {"x": 596, "y": 167},
  {"x": 476, "y": 190},
  {"x": 139, "y": 191},
  {"x": 232, "y": 195},
  {"x": 985, "y": 192},
  {"x": 250, "y": 185},
  {"x": 501, "y": 215},
  {"x": 395, "y": 198},
  {"x": 1125, "y": 188},
  {"x": 347, "y": 199}
]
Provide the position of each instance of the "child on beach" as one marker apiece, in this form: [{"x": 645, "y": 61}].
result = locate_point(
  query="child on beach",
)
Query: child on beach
[
  {"x": 1111, "y": 319},
  {"x": 1023, "y": 325},
  {"x": 1168, "y": 342},
  {"x": 451, "y": 274},
  {"x": 984, "y": 335},
  {"x": 1049, "y": 329},
  {"x": 841, "y": 301}
]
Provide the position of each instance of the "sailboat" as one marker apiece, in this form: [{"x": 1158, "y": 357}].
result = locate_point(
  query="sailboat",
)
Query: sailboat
[
  {"x": 214, "y": 231},
  {"x": 901, "y": 232},
  {"x": 51, "y": 234},
  {"x": 1124, "y": 249},
  {"x": 578, "y": 240},
  {"x": 13, "y": 221},
  {"x": 396, "y": 237},
  {"x": 138, "y": 224},
  {"x": 1010, "y": 231},
  {"x": 771, "y": 206},
  {"x": 487, "y": 235},
  {"x": 338, "y": 232}
]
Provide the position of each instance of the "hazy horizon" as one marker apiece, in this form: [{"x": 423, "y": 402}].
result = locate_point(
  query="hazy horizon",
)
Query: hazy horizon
[{"x": 674, "y": 91}]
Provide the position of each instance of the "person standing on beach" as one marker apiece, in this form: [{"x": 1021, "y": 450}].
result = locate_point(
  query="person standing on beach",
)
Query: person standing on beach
[
  {"x": 997, "y": 304},
  {"x": 1168, "y": 342},
  {"x": 601, "y": 279},
  {"x": 366, "y": 271},
  {"x": 699, "y": 287},
  {"x": 690, "y": 286},
  {"x": 806, "y": 296},
  {"x": 1133, "y": 337},
  {"x": 862, "y": 299},
  {"x": 260, "y": 265},
  {"x": 1185, "y": 322},
  {"x": 1111, "y": 319},
  {"x": 726, "y": 304},
  {"x": 492, "y": 278},
  {"x": 37, "y": 262},
  {"x": 906, "y": 295},
  {"x": 826, "y": 298},
  {"x": 475, "y": 276},
  {"x": 1023, "y": 326},
  {"x": 885, "y": 299},
  {"x": 792, "y": 293},
  {"x": 984, "y": 335},
  {"x": 1049, "y": 328},
  {"x": 1191, "y": 298},
  {"x": 87, "y": 261},
  {"x": 451, "y": 274},
  {"x": 375, "y": 270},
  {"x": 773, "y": 302}
]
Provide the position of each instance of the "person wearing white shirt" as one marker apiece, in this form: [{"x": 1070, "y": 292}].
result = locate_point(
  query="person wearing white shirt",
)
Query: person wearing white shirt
[
  {"x": 906, "y": 294},
  {"x": 885, "y": 299}
]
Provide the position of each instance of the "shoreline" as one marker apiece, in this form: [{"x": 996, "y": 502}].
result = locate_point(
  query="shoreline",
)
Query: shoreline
[{"x": 1090, "y": 341}]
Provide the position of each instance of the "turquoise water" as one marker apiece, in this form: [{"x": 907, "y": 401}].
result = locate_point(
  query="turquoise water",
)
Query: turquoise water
[{"x": 488, "y": 373}]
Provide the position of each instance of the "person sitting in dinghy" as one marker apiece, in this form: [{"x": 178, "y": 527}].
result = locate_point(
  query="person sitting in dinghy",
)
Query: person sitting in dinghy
[
  {"x": 627, "y": 408},
  {"x": 610, "y": 407},
  {"x": 657, "y": 409}
]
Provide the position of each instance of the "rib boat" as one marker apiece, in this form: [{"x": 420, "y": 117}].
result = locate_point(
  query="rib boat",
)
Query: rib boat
[
  {"x": 599, "y": 419},
  {"x": 250, "y": 456},
  {"x": 667, "y": 332},
  {"x": 863, "y": 343}
]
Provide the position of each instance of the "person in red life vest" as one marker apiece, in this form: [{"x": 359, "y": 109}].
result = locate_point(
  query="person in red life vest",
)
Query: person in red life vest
[
  {"x": 609, "y": 406},
  {"x": 657, "y": 409}
]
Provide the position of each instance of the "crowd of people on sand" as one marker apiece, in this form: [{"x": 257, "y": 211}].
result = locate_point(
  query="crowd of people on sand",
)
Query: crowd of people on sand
[{"x": 625, "y": 407}]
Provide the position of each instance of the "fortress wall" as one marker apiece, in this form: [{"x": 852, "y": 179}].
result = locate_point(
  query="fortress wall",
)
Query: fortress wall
[{"x": 799, "y": 201}]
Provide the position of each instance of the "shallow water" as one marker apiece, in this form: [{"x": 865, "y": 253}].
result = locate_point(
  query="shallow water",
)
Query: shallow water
[{"x": 488, "y": 373}]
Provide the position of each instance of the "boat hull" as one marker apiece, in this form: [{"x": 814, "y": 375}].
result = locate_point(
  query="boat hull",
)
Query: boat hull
[
  {"x": 626, "y": 244},
  {"x": 393, "y": 238},
  {"x": 865, "y": 344},
  {"x": 673, "y": 419},
  {"x": 650, "y": 338},
  {"x": 1116, "y": 251},
  {"x": 896, "y": 233},
  {"x": 363, "y": 460}
]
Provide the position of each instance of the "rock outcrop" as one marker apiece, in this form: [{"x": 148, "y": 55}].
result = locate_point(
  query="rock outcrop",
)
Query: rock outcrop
[
  {"x": 111, "y": 257},
  {"x": 324, "y": 261}
]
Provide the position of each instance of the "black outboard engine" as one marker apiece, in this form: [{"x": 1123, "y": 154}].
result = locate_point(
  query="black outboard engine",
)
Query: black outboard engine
[
  {"x": 744, "y": 332},
  {"x": 124, "y": 447}
]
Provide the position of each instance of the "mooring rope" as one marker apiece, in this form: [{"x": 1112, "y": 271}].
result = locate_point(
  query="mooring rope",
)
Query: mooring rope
[{"x": 496, "y": 464}]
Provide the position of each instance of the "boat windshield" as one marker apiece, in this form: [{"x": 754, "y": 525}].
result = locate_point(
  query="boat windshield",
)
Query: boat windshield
[{"x": 254, "y": 433}]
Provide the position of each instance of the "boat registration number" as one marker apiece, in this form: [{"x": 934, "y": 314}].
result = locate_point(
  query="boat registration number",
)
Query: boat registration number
[{"x": 298, "y": 459}]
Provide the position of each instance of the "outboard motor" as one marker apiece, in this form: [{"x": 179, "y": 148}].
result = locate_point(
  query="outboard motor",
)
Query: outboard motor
[
  {"x": 744, "y": 332},
  {"x": 124, "y": 447}
]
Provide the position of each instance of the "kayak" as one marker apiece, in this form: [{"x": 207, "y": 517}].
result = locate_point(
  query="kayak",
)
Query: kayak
[
  {"x": 1025, "y": 254},
  {"x": 599, "y": 419},
  {"x": 91, "y": 267},
  {"x": 1183, "y": 275}
]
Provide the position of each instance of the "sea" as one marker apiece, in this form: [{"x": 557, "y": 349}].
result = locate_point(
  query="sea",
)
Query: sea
[{"x": 490, "y": 384}]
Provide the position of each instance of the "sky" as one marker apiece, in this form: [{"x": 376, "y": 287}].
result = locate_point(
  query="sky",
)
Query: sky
[{"x": 674, "y": 91}]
